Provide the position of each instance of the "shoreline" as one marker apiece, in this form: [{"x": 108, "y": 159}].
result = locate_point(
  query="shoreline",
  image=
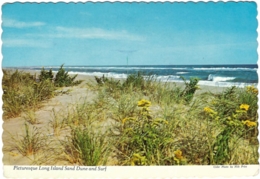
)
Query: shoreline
[{"x": 86, "y": 78}]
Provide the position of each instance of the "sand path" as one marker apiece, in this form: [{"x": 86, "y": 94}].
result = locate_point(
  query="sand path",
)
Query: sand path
[{"x": 15, "y": 126}]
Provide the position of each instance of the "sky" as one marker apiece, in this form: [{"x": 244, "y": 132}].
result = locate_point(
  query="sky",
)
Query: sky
[{"x": 145, "y": 33}]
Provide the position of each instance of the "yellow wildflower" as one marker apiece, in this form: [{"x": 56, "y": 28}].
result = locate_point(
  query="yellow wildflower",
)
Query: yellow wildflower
[
  {"x": 209, "y": 110},
  {"x": 244, "y": 107},
  {"x": 249, "y": 123},
  {"x": 137, "y": 159},
  {"x": 144, "y": 103},
  {"x": 178, "y": 154},
  {"x": 252, "y": 89}
]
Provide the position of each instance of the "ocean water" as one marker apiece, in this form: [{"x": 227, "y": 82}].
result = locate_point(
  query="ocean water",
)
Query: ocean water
[{"x": 210, "y": 75}]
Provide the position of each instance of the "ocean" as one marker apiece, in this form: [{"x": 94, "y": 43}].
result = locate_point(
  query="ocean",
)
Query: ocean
[{"x": 210, "y": 75}]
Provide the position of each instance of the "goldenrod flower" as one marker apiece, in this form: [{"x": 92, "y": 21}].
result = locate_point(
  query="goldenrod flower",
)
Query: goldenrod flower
[
  {"x": 144, "y": 103},
  {"x": 178, "y": 154},
  {"x": 244, "y": 107},
  {"x": 209, "y": 110},
  {"x": 252, "y": 89},
  {"x": 137, "y": 159},
  {"x": 249, "y": 123}
]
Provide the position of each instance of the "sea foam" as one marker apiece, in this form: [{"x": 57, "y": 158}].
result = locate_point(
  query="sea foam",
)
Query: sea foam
[{"x": 219, "y": 78}]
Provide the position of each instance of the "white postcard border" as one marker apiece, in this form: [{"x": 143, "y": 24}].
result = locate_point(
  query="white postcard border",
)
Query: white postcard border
[{"x": 245, "y": 171}]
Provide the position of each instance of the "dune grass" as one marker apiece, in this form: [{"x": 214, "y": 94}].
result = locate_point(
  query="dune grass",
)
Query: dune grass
[
  {"x": 85, "y": 147},
  {"x": 31, "y": 142},
  {"x": 157, "y": 123},
  {"x": 179, "y": 127},
  {"x": 22, "y": 91}
]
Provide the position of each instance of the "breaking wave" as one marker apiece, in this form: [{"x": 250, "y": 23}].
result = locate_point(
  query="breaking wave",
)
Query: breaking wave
[
  {"x": 219, "y": 78},
  {"x": 227, "y": 69}
]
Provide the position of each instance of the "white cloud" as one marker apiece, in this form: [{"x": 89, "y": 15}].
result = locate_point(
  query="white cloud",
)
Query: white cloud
[
  {"x": 25, "y": 43},
  {"x": 92, "y": 33},
  {"x": 19, "y": 24}
]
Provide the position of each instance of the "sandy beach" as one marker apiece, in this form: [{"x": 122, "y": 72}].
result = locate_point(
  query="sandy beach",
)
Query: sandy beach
[{"x": 88, "y": 78}]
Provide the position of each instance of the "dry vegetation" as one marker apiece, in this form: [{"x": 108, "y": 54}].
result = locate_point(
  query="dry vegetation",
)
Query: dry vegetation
[{"x": 138, "y": 121}]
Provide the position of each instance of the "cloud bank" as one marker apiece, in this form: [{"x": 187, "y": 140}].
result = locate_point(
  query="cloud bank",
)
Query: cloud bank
[{"x": 20, "y": 24}]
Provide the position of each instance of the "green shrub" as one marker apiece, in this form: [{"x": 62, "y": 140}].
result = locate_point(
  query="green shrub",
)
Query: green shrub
[
  {"x": 190, "y": 88},
  {"x": 46, "y": 75},
  {"x": 62, "y": 78}
]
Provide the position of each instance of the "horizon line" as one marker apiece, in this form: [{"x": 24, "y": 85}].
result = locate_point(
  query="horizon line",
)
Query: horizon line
[{"x": 124, "y": 65}]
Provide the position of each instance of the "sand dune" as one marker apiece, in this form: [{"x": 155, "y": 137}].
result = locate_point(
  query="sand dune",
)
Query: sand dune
[{"x": 68, "y": 97}]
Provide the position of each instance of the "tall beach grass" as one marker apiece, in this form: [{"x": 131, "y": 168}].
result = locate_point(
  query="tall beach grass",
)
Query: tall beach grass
[{"x": 143, "y": 121}]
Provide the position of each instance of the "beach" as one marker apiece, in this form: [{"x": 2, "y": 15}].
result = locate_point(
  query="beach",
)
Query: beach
[
  {"x": 208, "y": 75},
  {"x": 156, "y": 88},
  {"x": 14, "y": 126},
  {"x": 66, "y": 100},
  {"x": 91, "y": 78}
]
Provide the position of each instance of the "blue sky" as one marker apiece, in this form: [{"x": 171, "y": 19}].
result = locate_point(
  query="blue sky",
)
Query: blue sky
[{"x": 149, "y": 34}]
